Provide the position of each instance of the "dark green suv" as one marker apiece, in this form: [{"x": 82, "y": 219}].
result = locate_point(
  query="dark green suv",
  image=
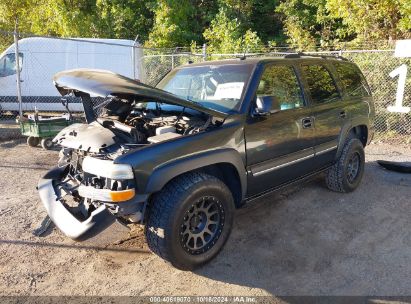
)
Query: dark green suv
[{"x": 210, "y": 137}]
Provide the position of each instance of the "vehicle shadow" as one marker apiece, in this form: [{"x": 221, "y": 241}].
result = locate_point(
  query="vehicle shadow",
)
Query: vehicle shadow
[
  {"x": 16, "y": 140},
  {"x": 41, "y": 167},
  {"x": 6, "y": 143},
  {"x": 303, "y": 241},
  {"x": 75, "y": 246}
]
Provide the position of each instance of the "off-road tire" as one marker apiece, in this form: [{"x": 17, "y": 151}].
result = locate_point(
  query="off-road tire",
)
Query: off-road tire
[
  {"x": 337, "y": 177},
  {"x": 33, "y": 141},
  {"x": 167, "y": 213},
  {"x": 47, "y": 143}
]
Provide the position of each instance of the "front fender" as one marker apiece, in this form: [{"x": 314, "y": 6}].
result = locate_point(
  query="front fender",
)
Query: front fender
[{"x": 166, "y": 172}]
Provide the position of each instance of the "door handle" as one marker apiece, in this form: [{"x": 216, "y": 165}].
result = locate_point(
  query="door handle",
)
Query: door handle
[
  {"x": 307, "y": 122},
  {"x": 343, "y": 114}
]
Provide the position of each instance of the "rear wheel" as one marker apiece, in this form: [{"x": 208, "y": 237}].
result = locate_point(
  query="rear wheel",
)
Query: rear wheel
[
  {"x": 47, "y": 143},
  {"x": 190, "y": 220},
  {"x": 346, "y": 174},
  {"x": 33, "y": 141}
]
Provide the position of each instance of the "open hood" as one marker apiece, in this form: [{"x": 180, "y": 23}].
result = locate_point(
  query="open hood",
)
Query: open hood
[{"x": 102, "y": 83}]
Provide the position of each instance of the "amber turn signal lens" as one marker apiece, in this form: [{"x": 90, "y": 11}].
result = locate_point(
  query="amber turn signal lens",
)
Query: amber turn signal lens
[{"x": 122, "y": 196}]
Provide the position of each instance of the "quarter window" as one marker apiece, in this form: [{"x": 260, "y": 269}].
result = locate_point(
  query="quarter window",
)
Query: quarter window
[
  {"x": 352, "y": 80},
  {"x": 320, "y": 84},
  {"x": 281, "y": 82}
]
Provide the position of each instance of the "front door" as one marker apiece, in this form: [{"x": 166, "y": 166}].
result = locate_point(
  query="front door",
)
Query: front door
[
  {"x": 8, "y": 82},
  {"x": 279, "y": 146}
]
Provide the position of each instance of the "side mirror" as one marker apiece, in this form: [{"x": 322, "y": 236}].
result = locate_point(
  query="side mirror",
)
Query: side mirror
[{"x": 266, "y": 105}]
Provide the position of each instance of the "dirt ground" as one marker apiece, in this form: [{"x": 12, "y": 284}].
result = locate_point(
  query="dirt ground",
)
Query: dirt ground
[{"x": 304, "y": 240}]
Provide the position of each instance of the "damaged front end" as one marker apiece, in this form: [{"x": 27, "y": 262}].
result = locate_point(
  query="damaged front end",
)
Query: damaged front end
[
  {"x": 85, "y": 195},
  {"x": 88, "y": 191}
]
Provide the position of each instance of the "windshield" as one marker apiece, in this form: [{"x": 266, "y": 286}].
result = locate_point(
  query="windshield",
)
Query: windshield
[
  {"x": 8, "y": 64},
  {"x": 219, "y": 87}
]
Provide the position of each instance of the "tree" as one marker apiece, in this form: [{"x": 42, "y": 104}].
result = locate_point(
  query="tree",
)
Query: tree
[
  {"x": 125, "y": 19},
  {"x": 313, "y": 23},
  {"x": 225, "y": 35},
  {"x": 32, "y": 17},
  {"x": 224, "y": 24},
  {"x": 180, "y": 22},
  {"x": 29, "y": 13},
  {"x": 80, "y": 18},
  {"x": 374, "y": 19},
  {"x": 259, "y": 16},
  {"x": 102, "y": 18},
  {"x": 307, "y": 24}
]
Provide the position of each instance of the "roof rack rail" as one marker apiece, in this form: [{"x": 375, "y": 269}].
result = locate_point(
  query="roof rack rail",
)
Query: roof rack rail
[
  {"x": 300, "y": 54},
  {"x": 241, "y": 57}
]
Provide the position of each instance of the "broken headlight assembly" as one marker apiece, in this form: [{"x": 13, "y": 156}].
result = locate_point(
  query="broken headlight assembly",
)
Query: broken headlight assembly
[
  {"x": 106, "y": 168},
  {"x": 106, "y": 181}
]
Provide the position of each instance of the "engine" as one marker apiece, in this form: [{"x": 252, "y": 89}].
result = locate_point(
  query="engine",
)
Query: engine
[
  {"x": 123, "y": 126},
  {"x": 147, "y": 127}
]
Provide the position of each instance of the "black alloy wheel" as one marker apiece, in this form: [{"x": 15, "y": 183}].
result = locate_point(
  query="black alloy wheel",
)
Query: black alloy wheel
[
  {"x": 353, "y": 167},
  {"x": 202, "y": 225}
]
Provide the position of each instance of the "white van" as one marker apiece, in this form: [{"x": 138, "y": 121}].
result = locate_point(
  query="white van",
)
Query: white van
[{"x": 41, "y": 58}]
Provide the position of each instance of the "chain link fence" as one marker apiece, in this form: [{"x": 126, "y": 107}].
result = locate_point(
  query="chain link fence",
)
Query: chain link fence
[
  {"x": 384, "y": 73},
  {"x": 157, "y": 63},
  {"x": 41, "y": 57}
]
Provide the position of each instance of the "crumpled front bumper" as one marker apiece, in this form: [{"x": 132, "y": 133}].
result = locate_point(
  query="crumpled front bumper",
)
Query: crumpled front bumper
[{"x": 100, "y": 223}]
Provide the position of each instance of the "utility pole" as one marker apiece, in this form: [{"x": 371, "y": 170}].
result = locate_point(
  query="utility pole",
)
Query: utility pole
[
  {"x": 17, "y": 59},
  {"x": 134, "y": 59}
]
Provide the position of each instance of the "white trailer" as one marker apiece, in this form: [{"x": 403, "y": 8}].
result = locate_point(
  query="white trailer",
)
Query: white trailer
[{"x": 41, "y": 58}]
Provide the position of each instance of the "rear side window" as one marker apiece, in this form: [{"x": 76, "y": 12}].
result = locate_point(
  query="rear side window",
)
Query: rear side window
[
  {"x": 320, "y": 84},
  {"x": 352, "y": 80},
  {"x": 280, "y": 81}
]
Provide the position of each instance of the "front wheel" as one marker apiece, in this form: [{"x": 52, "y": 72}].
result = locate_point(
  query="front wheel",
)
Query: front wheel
[
  {"x": 346, "y": 174},
  {"x": 190, "y": 220}
]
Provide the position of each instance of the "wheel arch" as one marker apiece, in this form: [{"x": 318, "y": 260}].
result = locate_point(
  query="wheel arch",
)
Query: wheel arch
[
  {"x": 227, "y": 165},
  {"x": 359, "y": 131}
]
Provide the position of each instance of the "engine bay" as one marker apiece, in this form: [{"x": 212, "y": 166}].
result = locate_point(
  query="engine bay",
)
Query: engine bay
[
  {"x": 124, "y": 124},
  {"x": 151, "y": 122}
]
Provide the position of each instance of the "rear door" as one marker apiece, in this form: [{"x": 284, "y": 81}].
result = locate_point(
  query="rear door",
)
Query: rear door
[
  {"x": 356, "y": 92},
  {"x": 279, "y": 146},
  {"x": 328, "y": 109}
]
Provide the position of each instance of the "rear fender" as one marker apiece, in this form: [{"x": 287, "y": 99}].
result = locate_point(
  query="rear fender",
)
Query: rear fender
[{"x": 345, "y": 133}]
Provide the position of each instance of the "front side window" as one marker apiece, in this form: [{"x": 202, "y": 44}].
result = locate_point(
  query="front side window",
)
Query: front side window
[
  {"x": 352, "y": 80},
  {"x": 280, "y": 82},
  {"x": 219, "y": 87},
  {"x": 8, "y": 64},
  {"x": 320, "y": 84}
]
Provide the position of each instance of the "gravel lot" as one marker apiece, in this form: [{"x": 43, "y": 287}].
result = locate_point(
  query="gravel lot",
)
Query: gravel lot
[{"x": 305, "y": 240}]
